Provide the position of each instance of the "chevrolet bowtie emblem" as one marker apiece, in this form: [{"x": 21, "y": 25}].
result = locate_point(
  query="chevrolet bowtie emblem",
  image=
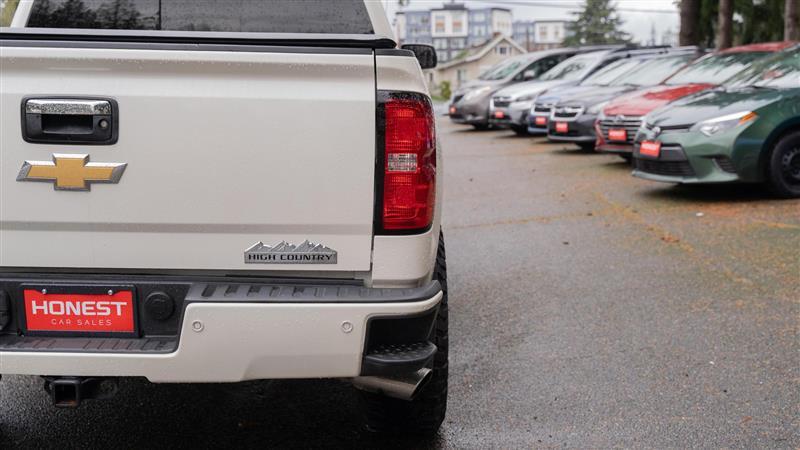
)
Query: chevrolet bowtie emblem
[{"x": 71, "y": 172}]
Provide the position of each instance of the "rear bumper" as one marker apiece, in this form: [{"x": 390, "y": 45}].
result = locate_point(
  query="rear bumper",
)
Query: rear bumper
[{"x": 241, "y": 331}]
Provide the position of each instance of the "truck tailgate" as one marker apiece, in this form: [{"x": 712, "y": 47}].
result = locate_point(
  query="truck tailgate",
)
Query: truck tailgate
[{"x": 223, "y": 150}]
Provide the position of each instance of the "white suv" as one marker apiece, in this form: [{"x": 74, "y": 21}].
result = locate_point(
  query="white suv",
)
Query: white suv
[{"x": 196, "y": 193}]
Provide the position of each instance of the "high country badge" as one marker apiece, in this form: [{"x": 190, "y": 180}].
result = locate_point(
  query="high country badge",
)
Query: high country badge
[{"x": 286, "y": 253}]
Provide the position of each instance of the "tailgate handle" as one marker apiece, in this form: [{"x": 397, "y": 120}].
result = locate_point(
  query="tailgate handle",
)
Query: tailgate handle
[{"x": 69, "y": 121}]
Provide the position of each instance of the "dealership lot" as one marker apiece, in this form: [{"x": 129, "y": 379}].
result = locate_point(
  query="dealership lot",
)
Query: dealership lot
[{"x": 589, "y": 309}]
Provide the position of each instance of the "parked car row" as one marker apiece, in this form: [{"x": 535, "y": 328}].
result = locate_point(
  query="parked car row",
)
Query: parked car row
[{"x": 678, "y": 115}]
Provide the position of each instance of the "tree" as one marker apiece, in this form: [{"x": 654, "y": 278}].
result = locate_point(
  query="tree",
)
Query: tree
[
  {"x": 791, "y": 27},
  {"x": 598, "y": 23},
  {"x": 119, "y": 14},
  {"x": 690, "y": 10},
  {"x": 761, "y": 21},
  {"x": 725, "y": 24}
]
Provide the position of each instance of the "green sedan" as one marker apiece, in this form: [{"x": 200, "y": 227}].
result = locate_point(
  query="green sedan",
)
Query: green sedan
[{"x": 746, "y": 131}]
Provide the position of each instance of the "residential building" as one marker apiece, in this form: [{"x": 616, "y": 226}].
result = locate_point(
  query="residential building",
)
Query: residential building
[
  {"x": 485, "y": 23},
  {"x": 549, "y": 33},
  {"x": 413, "y": 27},
  {"x": 524, "y": 34},
  {"x": 452, "y": 28},
  {"x": 474, "y": 61}
]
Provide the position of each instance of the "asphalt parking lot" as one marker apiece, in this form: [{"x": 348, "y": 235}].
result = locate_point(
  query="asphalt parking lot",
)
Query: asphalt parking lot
[{"x": 589, "y": 309}]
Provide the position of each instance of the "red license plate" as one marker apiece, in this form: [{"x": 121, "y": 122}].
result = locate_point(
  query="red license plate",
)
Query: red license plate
[
  {"x": 65, "y": 312},
  {"x": 499, "y": 114},
  {"x": 541, "y": 121},
  {"x": 650, "y": 148},
  {"x": 616, "y": 134},
  {"x": 562, "y": 127}
]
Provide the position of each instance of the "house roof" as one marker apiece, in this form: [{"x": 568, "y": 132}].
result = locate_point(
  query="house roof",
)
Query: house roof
[{"x": 476, "y": 53}]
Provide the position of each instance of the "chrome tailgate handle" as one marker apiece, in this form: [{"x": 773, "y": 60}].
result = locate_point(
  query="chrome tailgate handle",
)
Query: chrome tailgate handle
[
  {"x": 92, "y": 121},
  {"x": 67, "y": 106}
]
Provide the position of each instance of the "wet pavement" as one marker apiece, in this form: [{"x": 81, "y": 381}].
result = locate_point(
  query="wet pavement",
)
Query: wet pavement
[{"x": 589, "y": 309}]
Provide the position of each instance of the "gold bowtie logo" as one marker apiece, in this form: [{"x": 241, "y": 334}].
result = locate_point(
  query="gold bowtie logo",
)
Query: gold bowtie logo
[{"x": 71, "y": 172}]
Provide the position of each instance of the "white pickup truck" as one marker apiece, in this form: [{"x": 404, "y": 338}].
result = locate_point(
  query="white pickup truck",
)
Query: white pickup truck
[{"x": 207, "y": 192}]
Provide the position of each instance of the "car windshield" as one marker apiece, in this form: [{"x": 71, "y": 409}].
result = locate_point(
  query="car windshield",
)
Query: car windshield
[
  {"x": 714, "y": 69},
  {"x": 780, "y": 71},
  {"x": 607, "y": 75},
  {"x": 653, "y": 71},
  {"x": 501, "y": 71},
  {"x": 573, "y": 69}
]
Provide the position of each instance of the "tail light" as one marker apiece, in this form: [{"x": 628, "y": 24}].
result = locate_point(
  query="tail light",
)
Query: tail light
[{"x": 407, "y": 162}]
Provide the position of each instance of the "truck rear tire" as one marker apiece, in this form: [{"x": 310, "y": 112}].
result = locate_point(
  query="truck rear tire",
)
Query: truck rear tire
[{"x": 424, "y": 414}]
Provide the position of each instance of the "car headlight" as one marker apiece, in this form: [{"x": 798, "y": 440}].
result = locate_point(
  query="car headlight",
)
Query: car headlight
[
  {"x": 715, "y": 125},
  {"x": 597, "y": 108},
  {"x": 526, "y": 98},
  {"x": 475, "y": 93}
]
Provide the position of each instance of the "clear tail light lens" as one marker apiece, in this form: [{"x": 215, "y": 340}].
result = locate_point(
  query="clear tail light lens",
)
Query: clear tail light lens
[{"x": 409, "y": 162}]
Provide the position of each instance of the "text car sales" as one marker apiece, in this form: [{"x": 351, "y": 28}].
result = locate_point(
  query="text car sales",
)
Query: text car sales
[{"x": 101, "y": 308}]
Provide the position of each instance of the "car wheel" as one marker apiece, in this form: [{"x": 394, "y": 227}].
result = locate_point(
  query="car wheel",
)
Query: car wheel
[
  {"x": 586, "y": 146},
  {"x": 627, "y": 157},
  {"x": 519, "y": 130},
  {"x": 424, "y": 414},
  {"x": 783, "y": 171},
  {"x": 480, "y": 126}
]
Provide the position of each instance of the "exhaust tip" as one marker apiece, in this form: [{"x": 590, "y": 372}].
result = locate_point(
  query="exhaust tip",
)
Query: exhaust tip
[{"x": 403, "y": 387}]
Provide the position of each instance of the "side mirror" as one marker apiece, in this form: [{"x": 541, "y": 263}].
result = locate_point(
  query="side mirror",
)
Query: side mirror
[
  {"x": 426, "y": 54},
  {"x": 528, "y": 75}
]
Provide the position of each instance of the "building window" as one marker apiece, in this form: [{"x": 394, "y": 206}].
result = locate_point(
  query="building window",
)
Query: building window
[
  {"x": 501, "y": 50},
  {"x": 458, "y": 26},
  {"x": 556, "y": 33},
  {"x": 439, "y": 24},
  {"x": 461, "y": 76},
  {"x": 543, "y": 33}
]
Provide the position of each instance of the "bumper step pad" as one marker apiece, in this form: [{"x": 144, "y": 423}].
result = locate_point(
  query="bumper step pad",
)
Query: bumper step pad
[
  {"x": 87, "y": 345},
  {"x": 388, "y": 359}
]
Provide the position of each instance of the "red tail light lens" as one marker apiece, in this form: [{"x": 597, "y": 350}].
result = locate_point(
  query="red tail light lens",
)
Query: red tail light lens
[{"x": 409, "y": 177}]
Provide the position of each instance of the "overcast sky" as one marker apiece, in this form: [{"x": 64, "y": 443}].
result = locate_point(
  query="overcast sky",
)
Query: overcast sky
[{"x": 637, "y": 23}]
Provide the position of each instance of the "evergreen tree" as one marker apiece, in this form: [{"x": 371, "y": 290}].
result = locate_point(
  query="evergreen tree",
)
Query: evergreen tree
[
  {"x": 598, "y": 23},
  {"x": 119, "y": 14}
]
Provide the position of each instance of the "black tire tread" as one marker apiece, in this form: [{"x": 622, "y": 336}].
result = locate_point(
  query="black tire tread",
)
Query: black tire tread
[
  {"x": 773, "y": 181},
  {"x": 520, "y": 130},
  {"x": 425, "y": 414}
]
